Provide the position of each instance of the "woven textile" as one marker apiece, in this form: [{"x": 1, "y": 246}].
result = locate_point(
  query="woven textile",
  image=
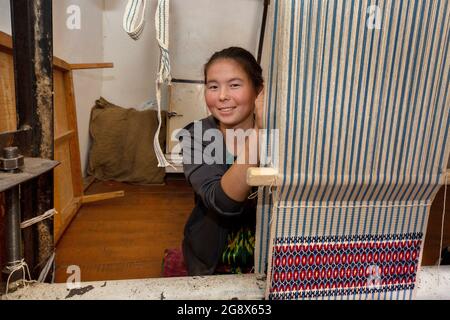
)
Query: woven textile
[{"x": 360, "y": 93}]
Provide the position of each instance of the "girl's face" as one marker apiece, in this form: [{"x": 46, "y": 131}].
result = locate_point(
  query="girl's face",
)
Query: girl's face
[{"x": 230, "y": 95}]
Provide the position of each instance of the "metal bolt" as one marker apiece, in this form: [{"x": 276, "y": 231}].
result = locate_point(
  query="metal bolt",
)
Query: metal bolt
[
  {"x": 10, "y": 152},
  {"x": 11, "y": 160}
]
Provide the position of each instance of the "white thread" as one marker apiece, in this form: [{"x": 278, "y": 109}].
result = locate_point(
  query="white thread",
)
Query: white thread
[
  {"x": 37, "y": 219},
  {"x": 272, "y": 184},
  {"x": 46, "y": 269},
  {"x": 442, "y": 228},
  {"x": 22, "y": 265},
  {"x": 253, "y": 195},
  {"x": 274, "y": 192},
  {"x": 53, "y": 273},
  {"x": 16, "y": 266},
  {"x": 358, "y": 206}
]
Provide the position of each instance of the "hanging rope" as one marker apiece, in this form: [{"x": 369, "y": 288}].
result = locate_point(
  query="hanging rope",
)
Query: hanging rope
[
  {"x": 134, "y": 18},
  {"x": 133, "y": 24},
  {"x": 163, "y": 76}
]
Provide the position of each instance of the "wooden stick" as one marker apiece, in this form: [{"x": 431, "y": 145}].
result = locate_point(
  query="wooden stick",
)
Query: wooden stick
[
  {"x": 74, "y": 146},
  {"x": 61, "y": 64},
  {"x": 5, "y": 42},
  {"x": 261, "y": 176},
  {"x": 63, "y": 137},
  {"x": 81, "y": 66},
  {"x": 265, "y": 176},
  {"x": 65, "y": 217},
  {"x": 102, "y": 196}
]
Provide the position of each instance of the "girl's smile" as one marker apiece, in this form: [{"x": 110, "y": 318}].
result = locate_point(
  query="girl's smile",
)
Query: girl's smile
[{"x": 230, "y": 95}]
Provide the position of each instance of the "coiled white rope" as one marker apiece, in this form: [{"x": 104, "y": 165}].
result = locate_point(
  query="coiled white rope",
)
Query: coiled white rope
[
  {"x": 17, "y": 266},
  {"x": 21, "y": 265}
]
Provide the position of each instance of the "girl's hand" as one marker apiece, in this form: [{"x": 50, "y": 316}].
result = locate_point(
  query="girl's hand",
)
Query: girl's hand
[{"x": 259, "y": 110}]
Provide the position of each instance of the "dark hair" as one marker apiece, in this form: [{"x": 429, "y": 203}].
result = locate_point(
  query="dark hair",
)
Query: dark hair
[{"x": 245, "y": 59}]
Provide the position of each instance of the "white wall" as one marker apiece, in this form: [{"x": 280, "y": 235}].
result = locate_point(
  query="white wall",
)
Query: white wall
[
  {"x": 132, "y": 80},
  {"x": 81, "y": 46},
  {"x": 201, "y": 27},
  {"x": 5, "y": 16},
  {"x": 197, "y": 29},
  {"x": 75, "y": 46}
]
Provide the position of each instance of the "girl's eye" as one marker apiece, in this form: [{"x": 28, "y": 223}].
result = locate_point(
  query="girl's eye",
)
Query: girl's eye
[
  {"x": 235, "y": 85},
  {"x": 212, "y": 87}
]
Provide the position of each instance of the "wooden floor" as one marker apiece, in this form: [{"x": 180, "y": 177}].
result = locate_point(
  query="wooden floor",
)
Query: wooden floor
[
  {"x": 433, "y": 236},
  {"x": 125, "y": 238}
]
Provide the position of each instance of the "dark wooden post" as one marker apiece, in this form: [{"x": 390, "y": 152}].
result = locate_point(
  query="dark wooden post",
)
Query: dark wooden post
[{"x": 33, "y": 63}]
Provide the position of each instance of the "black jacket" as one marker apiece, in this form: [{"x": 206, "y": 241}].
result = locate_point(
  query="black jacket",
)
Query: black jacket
[{"x": 215, "y": 214}]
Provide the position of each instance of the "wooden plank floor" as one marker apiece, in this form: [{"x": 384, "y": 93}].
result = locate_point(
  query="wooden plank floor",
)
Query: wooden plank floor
[
  {"x": 433, "y": 236},
  {"x": 125, "y": 238}
]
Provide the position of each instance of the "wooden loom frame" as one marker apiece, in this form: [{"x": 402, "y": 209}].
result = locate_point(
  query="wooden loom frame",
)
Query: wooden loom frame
[{"x": 68, "y": 183}]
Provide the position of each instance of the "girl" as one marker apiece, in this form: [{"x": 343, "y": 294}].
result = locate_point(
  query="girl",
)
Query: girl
[{"x": 219, "y": 234}]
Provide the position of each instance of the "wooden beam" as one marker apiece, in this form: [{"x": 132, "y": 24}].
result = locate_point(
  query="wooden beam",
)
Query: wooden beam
[
  {"x": 75, "y": 160},
  {"x": 81, "y": 66},
  {"x": 65, "y": 217},
  {"x": 5, "y": 42},
  {"x": 6, "y": 45},
  {"x": 65, "y": 136},
  {"x": 32, "y": 40},
  {"x": 102, "y": 196},
  {"x": 32, "y": 43},
  {"x": 265, "y": 176},
  {"x": 61, "y": 64}
]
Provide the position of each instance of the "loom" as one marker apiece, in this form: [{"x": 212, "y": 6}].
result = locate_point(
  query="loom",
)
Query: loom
[{"x": 359, "y": 93}]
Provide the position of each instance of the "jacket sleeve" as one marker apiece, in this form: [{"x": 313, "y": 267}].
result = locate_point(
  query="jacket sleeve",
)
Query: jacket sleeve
[{"x": 205, "y": 178}]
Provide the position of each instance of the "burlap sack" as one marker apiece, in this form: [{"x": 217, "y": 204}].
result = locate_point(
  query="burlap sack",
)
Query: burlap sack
[{"x": 122, "y": 144}]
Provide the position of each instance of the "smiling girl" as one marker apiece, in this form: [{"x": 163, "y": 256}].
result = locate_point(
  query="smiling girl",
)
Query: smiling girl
[{"x": 219, "y": 234}]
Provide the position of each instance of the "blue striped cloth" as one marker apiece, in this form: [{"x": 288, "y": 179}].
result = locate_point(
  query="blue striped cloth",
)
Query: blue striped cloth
[{"x": 359, "y": 90}]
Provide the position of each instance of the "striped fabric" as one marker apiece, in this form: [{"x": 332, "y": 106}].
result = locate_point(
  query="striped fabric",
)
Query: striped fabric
[
  {"x": 362, "y": 104},
  {"x": 162, "y": 35},
  {"x": 134, "y": 18}
]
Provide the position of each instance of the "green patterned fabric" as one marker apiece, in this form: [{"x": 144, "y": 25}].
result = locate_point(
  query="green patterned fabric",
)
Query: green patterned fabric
[{"x": 239, "y": 252}]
